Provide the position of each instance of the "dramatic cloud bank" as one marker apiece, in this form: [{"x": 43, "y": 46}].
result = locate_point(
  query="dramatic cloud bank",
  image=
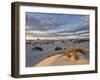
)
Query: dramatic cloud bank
[{"x": 48, "y": 24}]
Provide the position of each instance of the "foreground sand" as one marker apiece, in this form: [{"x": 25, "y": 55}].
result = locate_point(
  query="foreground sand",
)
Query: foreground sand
[
  {"x": 60, "y": 59},
  {"x": 33, "y": 57}
]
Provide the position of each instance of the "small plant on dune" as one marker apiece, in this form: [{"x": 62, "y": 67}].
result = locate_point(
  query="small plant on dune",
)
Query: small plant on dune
[{"x": 71, "y": 53}]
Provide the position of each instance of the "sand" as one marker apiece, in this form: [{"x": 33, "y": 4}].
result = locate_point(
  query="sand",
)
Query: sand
[
  {"x": 59, "y": 60},
  {"x": 36, "y": 57}
]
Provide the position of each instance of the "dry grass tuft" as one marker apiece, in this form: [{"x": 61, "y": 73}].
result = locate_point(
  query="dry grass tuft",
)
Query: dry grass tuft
[{"x": 71, "y": 53}]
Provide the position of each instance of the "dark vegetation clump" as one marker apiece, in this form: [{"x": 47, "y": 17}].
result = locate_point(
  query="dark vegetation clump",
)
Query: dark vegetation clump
[
  {"x": 47, "y": 42},
  {"x": 63, "y": 41},
  {"x": 37, "y": 49},
  {"x": 58, "y": 48},
  {"x": 64, "y": 48}
]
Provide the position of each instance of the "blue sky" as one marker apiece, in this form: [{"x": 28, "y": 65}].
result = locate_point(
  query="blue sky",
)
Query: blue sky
[{"x": 47, "y": 24}]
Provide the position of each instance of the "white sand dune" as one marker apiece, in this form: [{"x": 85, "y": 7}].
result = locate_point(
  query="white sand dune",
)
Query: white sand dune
[
  {"x": 37, "y": 57},
  {"x": 60, "y": 59}
]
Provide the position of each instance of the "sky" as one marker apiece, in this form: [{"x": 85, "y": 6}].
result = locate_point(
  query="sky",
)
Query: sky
[{"x": 56, "y": 25}]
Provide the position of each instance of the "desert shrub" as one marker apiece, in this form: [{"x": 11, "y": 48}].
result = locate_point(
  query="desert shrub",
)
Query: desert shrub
[
  {"x": 47, "y": 42},
  {"x": 74, "y": 50},
  {"x": 63, "y": 41},
  {"x": 37, "y": 49},
  {"x": 58, "y": 48},
  {"x": 64, "y": 48}
]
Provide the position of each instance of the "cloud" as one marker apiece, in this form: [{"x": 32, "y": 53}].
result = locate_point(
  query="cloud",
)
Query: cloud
[
  {"x": 38, "y": 21},
  {"x": 56, "y": 24},
  {"x": 85, "y": 19}
]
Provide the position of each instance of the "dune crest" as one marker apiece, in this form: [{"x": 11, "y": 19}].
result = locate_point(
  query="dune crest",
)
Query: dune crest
[{"x": 73, "y": 56}]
